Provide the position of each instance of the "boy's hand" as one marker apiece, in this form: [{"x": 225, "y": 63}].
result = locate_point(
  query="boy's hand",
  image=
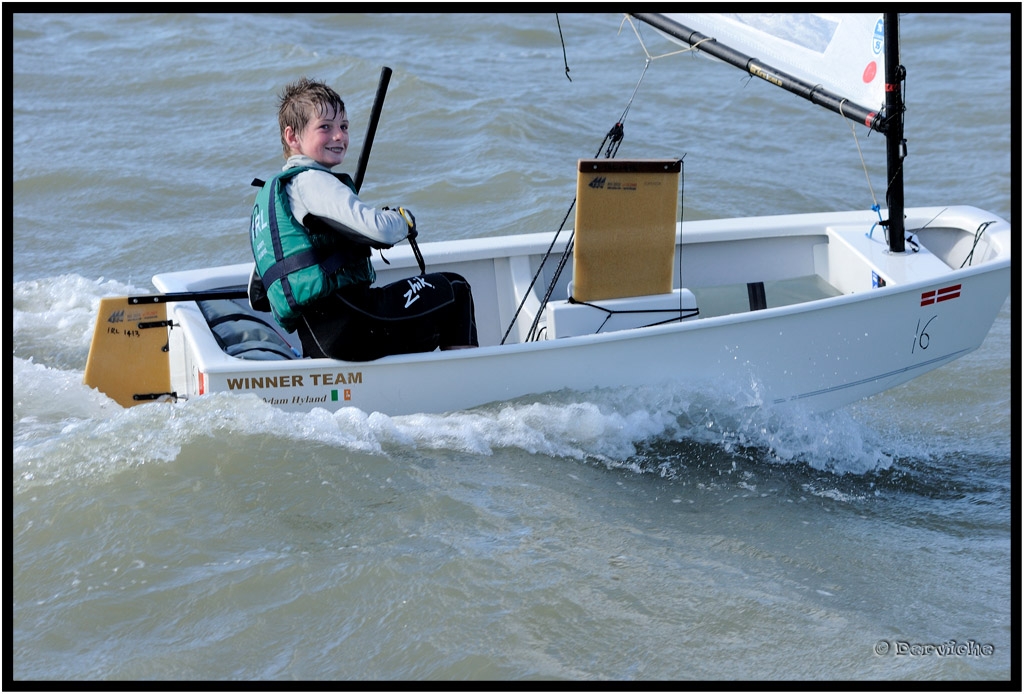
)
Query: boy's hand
[{"x": 410, "y": 220}]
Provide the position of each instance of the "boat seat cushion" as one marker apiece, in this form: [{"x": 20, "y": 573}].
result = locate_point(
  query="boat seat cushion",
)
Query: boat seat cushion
[{"x": 243, "y": 333}]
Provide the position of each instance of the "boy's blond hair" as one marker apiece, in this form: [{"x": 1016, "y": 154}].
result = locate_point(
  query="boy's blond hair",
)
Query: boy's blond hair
[{"x": 302, "y": 99}]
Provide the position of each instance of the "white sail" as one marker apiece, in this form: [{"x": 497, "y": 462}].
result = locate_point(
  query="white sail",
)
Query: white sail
[{"x": 844, "y": 53}]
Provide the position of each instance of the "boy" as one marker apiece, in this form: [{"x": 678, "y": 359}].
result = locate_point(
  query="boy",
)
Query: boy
[{"x": 311, "y": 238}]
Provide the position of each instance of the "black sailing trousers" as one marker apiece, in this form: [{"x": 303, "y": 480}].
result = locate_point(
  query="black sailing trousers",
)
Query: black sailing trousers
[{"x": 417, "y": 314}]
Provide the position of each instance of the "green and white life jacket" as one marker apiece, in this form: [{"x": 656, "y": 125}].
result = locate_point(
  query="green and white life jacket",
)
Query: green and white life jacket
[{"x": 300, "y": 263}]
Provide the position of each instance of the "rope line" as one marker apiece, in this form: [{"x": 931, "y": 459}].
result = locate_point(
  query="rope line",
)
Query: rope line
[
  {"x": 650, "y": 57},
  {"x": 610, "y": 145},
  {"x": 863, "y": 164}
]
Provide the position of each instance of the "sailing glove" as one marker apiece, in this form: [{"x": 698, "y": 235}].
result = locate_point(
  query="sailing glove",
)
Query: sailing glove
[{"x": 410, "y": 220}]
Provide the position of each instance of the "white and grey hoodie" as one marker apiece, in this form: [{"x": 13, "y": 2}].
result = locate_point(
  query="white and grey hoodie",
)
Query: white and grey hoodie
[{"x": 319, "y": 193}]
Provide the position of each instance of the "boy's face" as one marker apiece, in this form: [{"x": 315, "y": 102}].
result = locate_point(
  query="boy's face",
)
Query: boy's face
[{"x": 324, "y": 139}]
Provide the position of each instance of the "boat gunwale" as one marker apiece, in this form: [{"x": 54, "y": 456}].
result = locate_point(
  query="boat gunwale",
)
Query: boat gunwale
[
  {"x": 690, "y": 232},
  {"x": 217, "y": 361}
]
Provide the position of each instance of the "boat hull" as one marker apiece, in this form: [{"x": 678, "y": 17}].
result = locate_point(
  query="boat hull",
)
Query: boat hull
[{"x": 822, "y": 353}]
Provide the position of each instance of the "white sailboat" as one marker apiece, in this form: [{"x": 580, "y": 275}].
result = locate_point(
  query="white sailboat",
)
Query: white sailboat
[{"x": 817, "y": 309}]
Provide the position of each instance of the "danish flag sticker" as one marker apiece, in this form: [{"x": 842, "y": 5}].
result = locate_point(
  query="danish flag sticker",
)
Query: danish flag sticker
[{"x": 940, "y": 295}]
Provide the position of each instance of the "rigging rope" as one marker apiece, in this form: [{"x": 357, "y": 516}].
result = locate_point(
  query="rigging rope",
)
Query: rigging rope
[
  {"x": 610, "y": 145},
  {"x": 565, "y": 58},
  {"x": 977, "y": 237},
  {"x": 863, "y": 164},
  {"x": 650, "y": 57},
  {"x": 874, "y": 199}
]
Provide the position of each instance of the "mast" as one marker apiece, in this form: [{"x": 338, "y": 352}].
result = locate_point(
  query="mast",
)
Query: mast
[{"x": 895, "y": 144}]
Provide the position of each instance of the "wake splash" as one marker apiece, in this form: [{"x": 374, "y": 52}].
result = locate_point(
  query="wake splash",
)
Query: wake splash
[
  {"x": 53, "y": 319},
  {"x": 64, "y": 429}
]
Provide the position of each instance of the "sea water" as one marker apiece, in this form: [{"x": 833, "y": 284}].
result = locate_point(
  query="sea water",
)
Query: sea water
[{"x": 653, "y": 534}]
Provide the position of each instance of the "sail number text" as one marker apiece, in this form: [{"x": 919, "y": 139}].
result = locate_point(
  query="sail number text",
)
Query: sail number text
[
  {"x": 921, "y": 337},
  {"x": 127, "y": 333}
]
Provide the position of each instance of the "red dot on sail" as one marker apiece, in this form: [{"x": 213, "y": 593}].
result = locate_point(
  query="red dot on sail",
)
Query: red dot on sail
[{"x": 870, "y": 71}]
